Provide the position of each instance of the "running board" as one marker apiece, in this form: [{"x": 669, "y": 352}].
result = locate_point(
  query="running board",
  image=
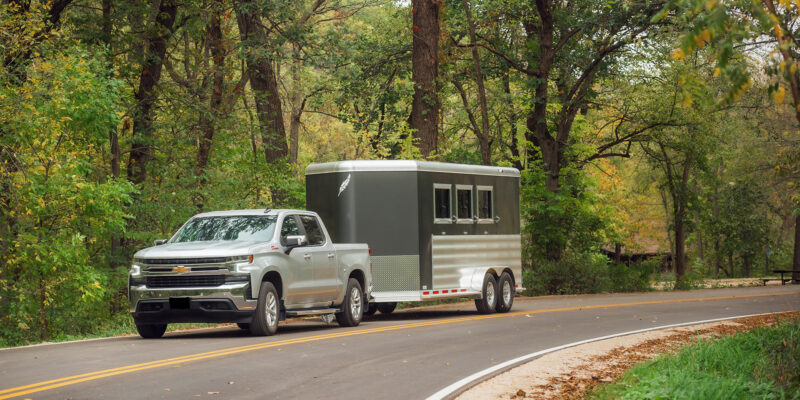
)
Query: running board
[{"x": 306, "y": 313}]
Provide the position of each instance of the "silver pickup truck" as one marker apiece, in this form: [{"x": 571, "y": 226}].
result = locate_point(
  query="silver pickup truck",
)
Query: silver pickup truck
[{"x": 250, "y": 267}]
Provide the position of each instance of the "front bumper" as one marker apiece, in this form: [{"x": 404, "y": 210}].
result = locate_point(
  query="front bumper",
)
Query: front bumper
[{"x": 225, "y": 303}]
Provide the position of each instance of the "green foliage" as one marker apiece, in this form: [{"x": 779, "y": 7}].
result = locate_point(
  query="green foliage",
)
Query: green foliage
[
  {"x": 741, "y": 223},
  {"x": 50, "y": 280},
  {"x": 580, "y": 273},
  {"x": 572, "y": 218},
  {"x": 758, "y": 364}
]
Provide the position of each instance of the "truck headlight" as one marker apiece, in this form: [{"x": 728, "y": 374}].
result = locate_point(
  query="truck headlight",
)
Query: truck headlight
[
  {"x": 241, "y": 263},
  {"x": 135, "y": 275}
]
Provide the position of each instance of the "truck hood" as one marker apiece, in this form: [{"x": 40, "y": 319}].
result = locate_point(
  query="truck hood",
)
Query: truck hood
[{"x": 198, "y": 249}]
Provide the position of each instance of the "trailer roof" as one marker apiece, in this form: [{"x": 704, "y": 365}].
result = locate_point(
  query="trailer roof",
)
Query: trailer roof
[{"x": 409, "y": 165}]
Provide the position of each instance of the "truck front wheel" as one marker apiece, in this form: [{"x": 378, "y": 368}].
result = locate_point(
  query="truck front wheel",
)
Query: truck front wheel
[
  {"x": 151, "y": 331},
  {"x": 486, "y": 304},
  {"x": 353, "y": 305},
  {"x": 265, "y": 321}
]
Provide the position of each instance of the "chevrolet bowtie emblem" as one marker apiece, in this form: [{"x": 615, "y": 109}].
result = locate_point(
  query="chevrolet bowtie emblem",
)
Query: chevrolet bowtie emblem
[{"x": 181, "y": 269}]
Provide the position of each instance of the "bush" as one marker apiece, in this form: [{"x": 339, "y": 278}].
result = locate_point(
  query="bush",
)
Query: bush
[{"x": 587, "y": 273}]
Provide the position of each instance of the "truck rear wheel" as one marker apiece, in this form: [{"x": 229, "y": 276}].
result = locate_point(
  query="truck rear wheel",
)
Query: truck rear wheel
[
  {"x": 486, "y": 304},
  {"x": 265, "y": 321},
  {"x": 151, "y": 331},
  {"x": 353, "y": 305},
  {"x": 505, "y": 292},
  {"x": 386, "y": 308}
]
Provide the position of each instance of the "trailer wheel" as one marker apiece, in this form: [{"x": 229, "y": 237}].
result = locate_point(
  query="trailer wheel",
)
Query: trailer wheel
[
  {"x": 371, "y": 309},
  {"x": 387, "y": 308},
  {"x": 353, "y": 305},
  {"x": 505, "y": 291},
  {"x": 486, "y": 305},
  {"x": 151, "y": 331},
  {"x": 265, "y": 320}
]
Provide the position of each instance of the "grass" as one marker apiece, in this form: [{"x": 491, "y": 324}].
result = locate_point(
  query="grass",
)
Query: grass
[{"x": 759, "y": 364}]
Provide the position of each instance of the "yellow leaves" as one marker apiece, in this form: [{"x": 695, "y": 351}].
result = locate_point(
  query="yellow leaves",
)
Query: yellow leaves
[
  {"x": 717, "y": 72},
  {"x": 678, "y": 54},
  {"x": 777, "y": 31},
  {"x": 710, "y": 4},
  {"x": 779, "y": 95},
  {"x": 783, "y": 66},
  {"x": 702, "y": 38}
]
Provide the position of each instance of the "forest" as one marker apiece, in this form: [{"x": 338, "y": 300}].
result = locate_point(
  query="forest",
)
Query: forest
[{"x": 659, "y": 127}]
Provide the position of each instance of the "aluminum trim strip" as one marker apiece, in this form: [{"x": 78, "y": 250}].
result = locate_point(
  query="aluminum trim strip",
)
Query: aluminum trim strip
[{"x": 408, "y": 165}]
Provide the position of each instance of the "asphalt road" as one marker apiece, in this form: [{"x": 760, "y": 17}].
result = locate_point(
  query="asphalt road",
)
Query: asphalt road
[{"x": 405, "y": 355}]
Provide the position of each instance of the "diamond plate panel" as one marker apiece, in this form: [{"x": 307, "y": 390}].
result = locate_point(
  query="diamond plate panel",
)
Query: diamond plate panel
[{"x": 395, "y": 273}]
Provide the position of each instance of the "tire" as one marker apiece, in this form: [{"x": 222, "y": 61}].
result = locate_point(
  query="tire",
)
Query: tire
[
  {"x": 371, "y": 309},
  {"x": 505, "y": 293},
  {"x": 353, "y": 305},
  {"x": 265, "y": 320},
  {"x": 151, "y": 331},
  {"x": 486, "y": 305},
  {"x": 386, "y": 308},
  {"x": 243, "y": 325}
]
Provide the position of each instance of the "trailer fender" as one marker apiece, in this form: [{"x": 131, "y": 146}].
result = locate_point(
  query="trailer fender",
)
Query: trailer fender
[{"x": 473, "y": 277}]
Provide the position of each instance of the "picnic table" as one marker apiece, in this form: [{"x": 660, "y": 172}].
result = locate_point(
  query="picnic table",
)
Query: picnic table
[{"x": 782, "y": 279}]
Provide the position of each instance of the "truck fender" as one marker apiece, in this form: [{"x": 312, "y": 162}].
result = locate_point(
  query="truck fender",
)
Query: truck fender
[{"x": 257, "y": 278}]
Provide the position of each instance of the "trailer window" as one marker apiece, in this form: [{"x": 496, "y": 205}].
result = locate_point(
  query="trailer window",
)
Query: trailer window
[
  {"x": 313, "y": 230},
  {"x": 464, "y": 203},
  {"x": 441, "y": 203},
  {"x": 485, "y": 204}
]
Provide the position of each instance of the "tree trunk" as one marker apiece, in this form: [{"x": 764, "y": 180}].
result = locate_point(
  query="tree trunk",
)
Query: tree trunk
[
  {"x": 483, "y": 134},
  {"x": 680, "y": 244},
  {"x": 796, "y": 258},
  {"x": 298, "y": 104},
  {"x": 209, "y": 120},
  {"x": 264, "y": 82},
  {"x": 424, "y": 117},
  {"x": 155, "y": 49},
  {"x": 516, "y": 152}
]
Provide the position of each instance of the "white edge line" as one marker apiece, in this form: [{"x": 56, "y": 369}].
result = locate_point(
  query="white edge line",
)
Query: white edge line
[{"x": 455, "y": 387}]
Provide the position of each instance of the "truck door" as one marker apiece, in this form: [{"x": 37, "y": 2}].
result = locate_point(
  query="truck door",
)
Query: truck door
[
  {"x": 299, "y": 284},
  {"x": 323, "y": 257}
]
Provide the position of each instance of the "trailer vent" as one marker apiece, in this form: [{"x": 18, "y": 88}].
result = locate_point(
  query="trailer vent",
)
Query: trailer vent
[{"x": 185, "y": 281}]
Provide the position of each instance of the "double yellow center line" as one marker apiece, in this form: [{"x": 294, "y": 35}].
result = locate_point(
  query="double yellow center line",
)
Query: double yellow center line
[{"x": 90, "y": 376}]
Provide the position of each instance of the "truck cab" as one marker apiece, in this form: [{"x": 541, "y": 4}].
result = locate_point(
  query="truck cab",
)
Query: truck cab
[{"x": 250, "y": 267}]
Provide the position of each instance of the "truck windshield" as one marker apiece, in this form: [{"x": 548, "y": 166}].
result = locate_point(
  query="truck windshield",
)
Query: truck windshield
[{"x": 245, "y": 228}]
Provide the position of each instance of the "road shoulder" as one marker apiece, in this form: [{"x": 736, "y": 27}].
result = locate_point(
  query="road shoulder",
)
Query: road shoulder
[{"x": 569, "y": 373}]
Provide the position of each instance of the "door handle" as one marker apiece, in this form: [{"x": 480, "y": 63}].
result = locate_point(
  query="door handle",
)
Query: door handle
[
  {"x": 331, "y": 255},
  {"x": 307, "y": 256}
]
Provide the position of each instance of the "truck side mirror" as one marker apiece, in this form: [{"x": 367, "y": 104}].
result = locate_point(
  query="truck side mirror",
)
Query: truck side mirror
[
  {"x": 159, "y": 242},
  {"x": 294, "y": 241}
]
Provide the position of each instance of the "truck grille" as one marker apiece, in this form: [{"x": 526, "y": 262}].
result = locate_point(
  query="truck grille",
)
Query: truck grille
[
  {"x": 184, "y": 261},
  {"x": 185, "y": 281}
]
